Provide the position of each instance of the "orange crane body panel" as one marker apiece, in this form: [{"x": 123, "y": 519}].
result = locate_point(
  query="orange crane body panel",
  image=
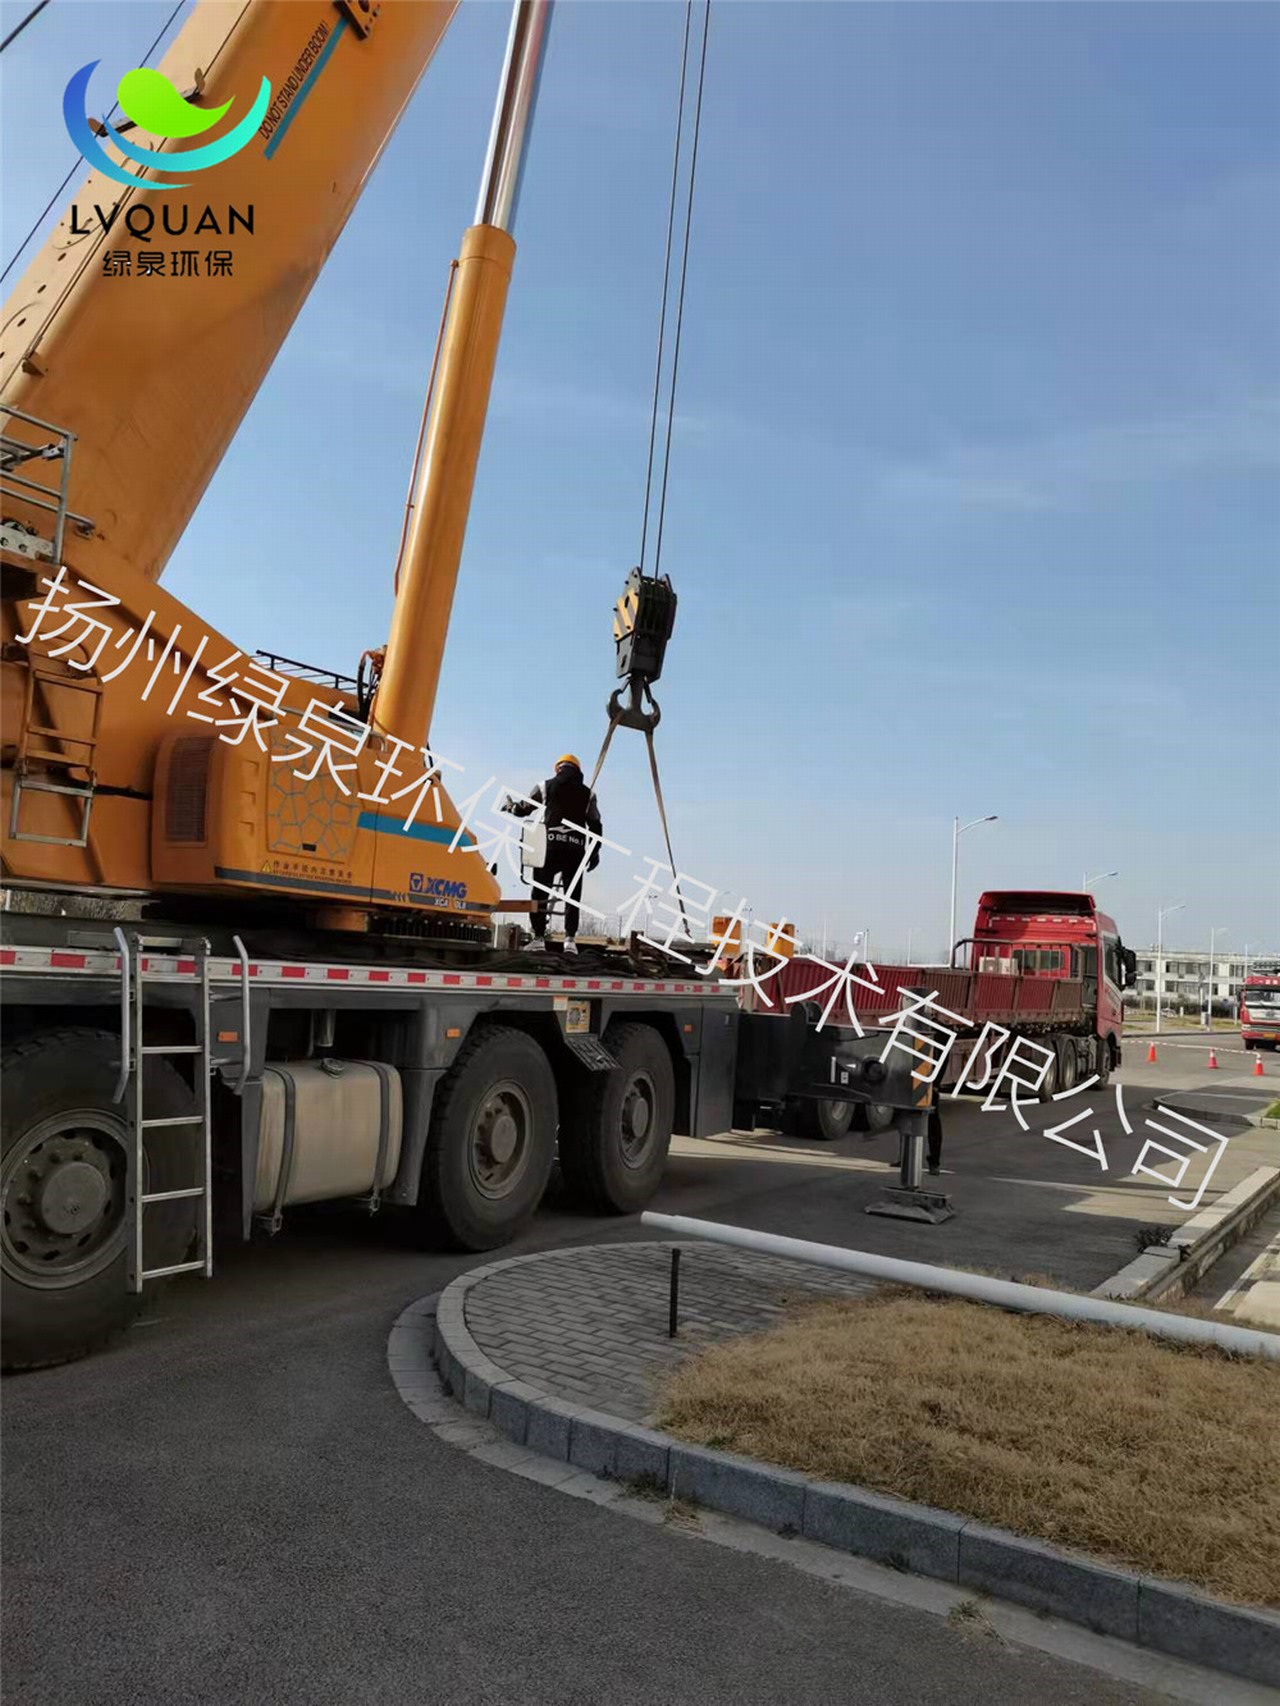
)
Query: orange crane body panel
[{"x": 153, "y": 383}]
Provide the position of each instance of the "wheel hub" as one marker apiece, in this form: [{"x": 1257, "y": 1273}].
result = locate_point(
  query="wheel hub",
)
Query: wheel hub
[
  {"x": 500, "y": 1140},
  {"x": 71, "y": 1197},
  {"x": 503, "y": 1137},
  {"x": 63, "y": 1200},
  {"x": 637, "y": 1119}
]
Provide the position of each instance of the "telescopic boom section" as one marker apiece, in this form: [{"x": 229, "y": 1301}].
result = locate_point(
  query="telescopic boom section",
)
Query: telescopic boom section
[{"x": 432, "y": 549}]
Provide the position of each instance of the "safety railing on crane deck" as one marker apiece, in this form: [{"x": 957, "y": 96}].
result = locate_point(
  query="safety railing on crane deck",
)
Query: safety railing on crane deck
[{"x": 19, "y": 453}]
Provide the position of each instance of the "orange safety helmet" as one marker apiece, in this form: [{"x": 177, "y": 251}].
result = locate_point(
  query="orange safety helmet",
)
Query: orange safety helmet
[{"x": 567, "y": 758}]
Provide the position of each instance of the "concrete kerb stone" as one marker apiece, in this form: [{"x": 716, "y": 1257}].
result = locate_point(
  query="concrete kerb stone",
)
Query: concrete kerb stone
[
  {"x": 509, "y": 1404},
  {"x": 1163, "y": 1616},
  {"x": 549, "y": 1425},
  {"x": 1168, "y": 1270},
  {"x": 1103, "y": 1598},
  {"x": 892, "y": 1531},
  {"x": 758, "y": 1492},
  {"x": 1189, "y": 1625}
]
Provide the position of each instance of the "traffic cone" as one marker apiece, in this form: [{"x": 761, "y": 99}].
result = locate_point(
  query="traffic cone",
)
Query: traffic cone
[
  {"x": 1257, "y": 1066},
  {"x": 1151, "y": 1052},
  {"x": 1213, "y": 1061}
]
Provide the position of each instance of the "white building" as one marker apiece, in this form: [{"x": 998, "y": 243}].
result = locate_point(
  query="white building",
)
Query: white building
[{"x": 1185, "y": 977}]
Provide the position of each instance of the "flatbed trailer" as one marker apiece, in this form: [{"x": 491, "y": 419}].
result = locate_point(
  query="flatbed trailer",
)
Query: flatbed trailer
[
  {"x": 1053, "y": 1011},
  {"x": 1042, "y": 966},
  {"x": 165, "y": 1091}
]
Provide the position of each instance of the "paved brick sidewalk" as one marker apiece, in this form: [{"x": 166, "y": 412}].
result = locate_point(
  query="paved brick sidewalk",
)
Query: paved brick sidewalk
[{"x": 590, "y": 1325}]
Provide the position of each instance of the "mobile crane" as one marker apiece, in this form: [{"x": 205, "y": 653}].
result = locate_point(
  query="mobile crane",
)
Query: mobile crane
[{"x": 295, "y": 1020}]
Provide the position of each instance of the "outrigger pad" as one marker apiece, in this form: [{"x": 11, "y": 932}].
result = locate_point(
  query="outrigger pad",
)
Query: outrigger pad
[{"x": 901, "y": 1203}]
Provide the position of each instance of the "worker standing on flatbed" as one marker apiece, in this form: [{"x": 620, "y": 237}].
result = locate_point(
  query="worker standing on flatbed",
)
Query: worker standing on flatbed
[{"x": 570, "y": 810}]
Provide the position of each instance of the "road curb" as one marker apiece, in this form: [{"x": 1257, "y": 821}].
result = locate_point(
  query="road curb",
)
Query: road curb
[
  {"x": 1164, "y": 1616},
  {"x": 1170, "y": 1270}
]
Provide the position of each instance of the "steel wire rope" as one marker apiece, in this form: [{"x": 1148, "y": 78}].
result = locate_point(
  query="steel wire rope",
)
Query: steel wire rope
[{"x": 78, "y": 161}]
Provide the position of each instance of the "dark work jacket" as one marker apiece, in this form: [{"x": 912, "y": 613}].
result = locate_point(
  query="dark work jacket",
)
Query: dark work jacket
[{"x": 567, "y": 799}]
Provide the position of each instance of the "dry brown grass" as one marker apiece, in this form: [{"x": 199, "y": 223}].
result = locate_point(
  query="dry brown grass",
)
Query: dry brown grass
[{"x": 1159, "y": 1457}]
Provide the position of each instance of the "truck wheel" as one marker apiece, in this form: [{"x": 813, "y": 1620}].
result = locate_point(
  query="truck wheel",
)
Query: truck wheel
[
  {"x": 491, "y": 1144},
  {"x": 1052, "y": 1080},
  {"x": 825, "y": 1121},
  {"x": 877, "y": 1117},
  {"x": 64, "y": 1241},
  {"x": 617, "y": 1130},
  {"x": 1068, "y": 1064},
  {"x": 1103, "y": 1055}
]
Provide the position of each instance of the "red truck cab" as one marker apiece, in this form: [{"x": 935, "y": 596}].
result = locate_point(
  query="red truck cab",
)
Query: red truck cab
[
  {"x": 1057, "y": 935},
  {"x": 1260, "y": 1009}
]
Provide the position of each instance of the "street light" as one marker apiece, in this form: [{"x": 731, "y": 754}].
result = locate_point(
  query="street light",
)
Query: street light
[
  {"x": 957, "y": 831},
  {"x": 1161, "y": 915},
  {"x": 1096, "y": 878},
  {"x": 1220, "y": 930}
]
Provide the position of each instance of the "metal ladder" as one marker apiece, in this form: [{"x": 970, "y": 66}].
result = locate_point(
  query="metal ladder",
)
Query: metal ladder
[
  {"x": 35, "y": 765},
  {"x": 134, "y": 1050}
]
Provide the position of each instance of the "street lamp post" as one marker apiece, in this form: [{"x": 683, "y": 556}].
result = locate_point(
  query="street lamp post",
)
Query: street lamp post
[
  {"x": 1161, "y": 915},
  {"x": 1097, "y": 877},
  {"x": 1208, "y": 1000},
  {"x": 957, "y": 831}
]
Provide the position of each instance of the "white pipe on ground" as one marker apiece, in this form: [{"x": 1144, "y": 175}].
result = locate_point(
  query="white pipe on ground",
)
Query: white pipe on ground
[{"x": 982, "y": 1288}]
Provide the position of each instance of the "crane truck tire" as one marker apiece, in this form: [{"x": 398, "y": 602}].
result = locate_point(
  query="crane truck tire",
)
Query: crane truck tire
[
  {"x": 826, "y": 1121},
  {"x": 64, "y": 1241},
  {"x": 876, "y": 1117},
  {"x": 491, "y": 1144},
  {"x": 616, "y": 1131}
]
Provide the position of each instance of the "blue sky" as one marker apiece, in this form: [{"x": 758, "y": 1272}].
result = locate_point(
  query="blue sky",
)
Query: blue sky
[{"x": 973, "y": 503}]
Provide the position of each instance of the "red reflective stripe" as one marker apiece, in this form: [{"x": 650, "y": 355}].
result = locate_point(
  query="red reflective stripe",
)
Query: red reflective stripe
[
  {"x": 7, "y": 956},
  {"x": 639, "y": 987},
  {"x": 186, "y": 965},
  {"x": 70, "y": 962},
  {"x": 568, "y": 983},
  {"x": 661, "y": 986},
  {"x": 340, "y": 974},
  {"x": 451, "y": 977},
  {"x": 594, "y": 983},
  {"x": 615, "y": 986},
  {"x": 417, "y": 977},
  {"x": 293, "y": 971},
  {"x": 379, "y": 977},
  {"x": 483, "y": 982},
  {"x": 514, "y": 982},
  {"x": 542, "y": 983}
]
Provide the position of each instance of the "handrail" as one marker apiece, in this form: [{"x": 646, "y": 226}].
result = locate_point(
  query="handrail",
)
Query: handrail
[
  {"x": 122, "y": 942},
  {"x": 981, "y": 1288},
  {"x": 246, "y": 1035}
]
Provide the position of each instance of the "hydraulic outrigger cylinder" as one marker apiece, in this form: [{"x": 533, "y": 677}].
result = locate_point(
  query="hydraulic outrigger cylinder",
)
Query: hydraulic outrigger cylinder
[{"x": 432, "y": 549}]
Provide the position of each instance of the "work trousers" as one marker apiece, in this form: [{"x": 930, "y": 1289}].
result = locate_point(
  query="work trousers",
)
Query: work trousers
[{"x": 566, "y": 854}]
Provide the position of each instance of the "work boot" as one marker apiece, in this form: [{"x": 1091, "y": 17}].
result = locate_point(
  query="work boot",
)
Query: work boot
[
  {"x": 570, "y": 946},
  {"x": 537, "y": 946}
]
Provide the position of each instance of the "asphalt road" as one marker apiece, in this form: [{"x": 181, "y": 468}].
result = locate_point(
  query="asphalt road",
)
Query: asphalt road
[{"x": 234, "y": 1505}]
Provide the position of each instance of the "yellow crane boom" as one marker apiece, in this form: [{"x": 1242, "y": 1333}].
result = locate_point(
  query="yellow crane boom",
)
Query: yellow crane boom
[
  {"x": 154, "y": 382},
  {"x": 135, "y": 394}
]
